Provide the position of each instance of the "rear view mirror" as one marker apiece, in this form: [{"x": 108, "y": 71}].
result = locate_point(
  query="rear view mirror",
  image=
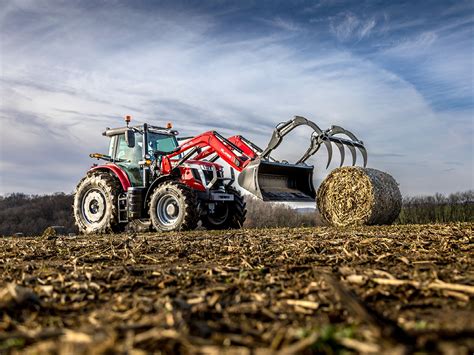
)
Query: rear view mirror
[{"x": 130, "y": 138}]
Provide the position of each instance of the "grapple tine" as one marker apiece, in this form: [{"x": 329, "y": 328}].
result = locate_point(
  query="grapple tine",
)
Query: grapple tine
[
  {"x": 339, "y": 144},
  {"x": 364, "y": 153},
  {"x": 353, "y": 152},
  {"x": 340, "y": 130},
  {"x": 328, "y": 145}
]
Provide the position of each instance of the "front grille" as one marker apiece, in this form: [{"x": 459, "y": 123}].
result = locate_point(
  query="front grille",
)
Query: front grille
[{"x": 208, "y": 175}]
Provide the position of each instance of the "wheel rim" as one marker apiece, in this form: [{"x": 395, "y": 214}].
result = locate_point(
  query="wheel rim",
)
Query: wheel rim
[
  {"x": 167, "y": 210},
  {"x": 93, "y": 206},
  {"x": 219, "y": 217}
]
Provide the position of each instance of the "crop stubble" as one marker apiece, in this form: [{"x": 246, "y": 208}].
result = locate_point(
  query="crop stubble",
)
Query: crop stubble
[{"x": 364, "y": 289}]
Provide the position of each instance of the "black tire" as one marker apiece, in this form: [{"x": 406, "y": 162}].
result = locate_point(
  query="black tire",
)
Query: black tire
[
  {"x": 173, "y": 207},
  {"x": 95, "y": 203},
  {"x": 227, "y": 215}
]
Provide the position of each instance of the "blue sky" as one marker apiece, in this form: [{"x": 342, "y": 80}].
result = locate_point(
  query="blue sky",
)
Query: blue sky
[{"x": 397, "y": 74}]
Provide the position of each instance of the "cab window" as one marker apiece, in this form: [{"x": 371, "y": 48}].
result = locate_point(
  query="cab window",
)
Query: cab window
[
  {"x": 130, "y": 155},
  {"x": 161, "y": 142}
]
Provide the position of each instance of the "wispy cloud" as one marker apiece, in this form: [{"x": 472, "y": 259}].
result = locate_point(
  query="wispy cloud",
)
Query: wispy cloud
[
  {"x": 69, "y": 70},
  {"x": 348, "y": 26},
  {"x": 412, "y": 46},
  {"x": 284, "y": 24}
]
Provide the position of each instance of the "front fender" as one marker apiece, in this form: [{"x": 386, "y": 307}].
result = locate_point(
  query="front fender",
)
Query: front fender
[{"x": 117, "y": 171}]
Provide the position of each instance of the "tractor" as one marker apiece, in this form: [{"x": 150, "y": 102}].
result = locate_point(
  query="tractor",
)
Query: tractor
[{"x": 153, "y": 179}]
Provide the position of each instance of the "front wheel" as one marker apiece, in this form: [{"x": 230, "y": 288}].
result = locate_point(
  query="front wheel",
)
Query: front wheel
[
  {"x": 173, "y": 206},
  {"x": 95, "y": 203},
  {"x": 227, "y": 215}
]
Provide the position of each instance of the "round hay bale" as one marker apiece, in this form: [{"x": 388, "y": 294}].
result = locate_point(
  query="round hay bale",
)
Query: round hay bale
[{"x": 359, "y": 196}]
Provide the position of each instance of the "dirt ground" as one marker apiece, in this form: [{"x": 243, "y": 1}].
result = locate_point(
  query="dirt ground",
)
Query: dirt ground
[{"x": 398, "y": 289}]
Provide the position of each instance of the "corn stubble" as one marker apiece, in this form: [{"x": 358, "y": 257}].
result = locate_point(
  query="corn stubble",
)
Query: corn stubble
[{"x": 378, "y": 289}]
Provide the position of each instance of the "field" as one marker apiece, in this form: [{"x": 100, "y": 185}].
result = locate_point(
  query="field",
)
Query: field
[{"x": 397, "y": 289}]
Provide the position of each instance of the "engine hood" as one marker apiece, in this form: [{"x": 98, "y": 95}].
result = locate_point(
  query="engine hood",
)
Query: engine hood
[{"x": 207, "y": 165}]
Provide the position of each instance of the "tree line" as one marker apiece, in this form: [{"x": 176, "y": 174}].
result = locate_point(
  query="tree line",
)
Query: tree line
[
  {"x": 32, "y": 214},
  {"x": 456, "y": 207}
]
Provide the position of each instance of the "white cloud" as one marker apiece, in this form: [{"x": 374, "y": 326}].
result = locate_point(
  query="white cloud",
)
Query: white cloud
[
  {"x": 351, "y": 27},
  {"x": 409, "y": 47},
  {"x": 81, "y": 72},
  {"x": 366, "y": 28},
  {"x": 284, "y": 24},
  {"x": 345, "y": 29}
]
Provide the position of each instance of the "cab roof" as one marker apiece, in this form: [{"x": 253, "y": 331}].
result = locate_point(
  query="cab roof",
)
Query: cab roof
[{"x": 110, "y": 132}]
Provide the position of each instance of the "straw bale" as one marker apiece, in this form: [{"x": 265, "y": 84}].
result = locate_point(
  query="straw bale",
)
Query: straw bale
[{"x": 359, "y": 196}]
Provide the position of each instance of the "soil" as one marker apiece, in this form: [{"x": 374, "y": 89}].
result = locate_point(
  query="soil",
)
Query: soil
[{"x": 397, "y": 289}]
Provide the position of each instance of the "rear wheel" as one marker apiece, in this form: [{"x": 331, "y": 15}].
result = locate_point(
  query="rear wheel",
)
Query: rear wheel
[
  {"x": 227, "y": 215},
  {"x": 173, "y": 206},
  {"x": 95, "y": 203}
]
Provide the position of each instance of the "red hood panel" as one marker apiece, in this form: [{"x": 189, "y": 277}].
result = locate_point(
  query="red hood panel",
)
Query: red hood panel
[{"x": 207, "y": 164}]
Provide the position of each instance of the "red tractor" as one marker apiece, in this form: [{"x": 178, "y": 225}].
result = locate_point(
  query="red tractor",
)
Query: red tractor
[{"x": 151, "y": 180}]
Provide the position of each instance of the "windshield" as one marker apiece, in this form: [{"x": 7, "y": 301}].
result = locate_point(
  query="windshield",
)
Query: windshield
[{"x": 161, "y": 142}]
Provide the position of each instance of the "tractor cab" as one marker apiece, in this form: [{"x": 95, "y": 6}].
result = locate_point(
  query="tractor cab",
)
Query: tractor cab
[
  {"x": 131, "y": 147},
  {"x": 150, "y": 178}
]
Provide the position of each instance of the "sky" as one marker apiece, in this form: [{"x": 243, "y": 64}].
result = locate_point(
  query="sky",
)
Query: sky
[{"x": 398, "y": 74}]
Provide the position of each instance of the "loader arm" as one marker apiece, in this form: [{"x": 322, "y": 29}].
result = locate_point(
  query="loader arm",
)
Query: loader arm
[
  {"x": 248, "y": 148},
  {"x": 218, "y": 144}
]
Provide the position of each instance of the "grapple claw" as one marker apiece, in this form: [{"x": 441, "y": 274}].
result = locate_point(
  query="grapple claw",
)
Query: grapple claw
[
  {"x": 351, "y": 144},
  {"x": 339, "y": 144},
  {"x": 364, "y": 154},
  {"x": 328, "y": 145},
  {"x": 351, "y": 147},
  {"x": 340, "y": 130},
  {"x": 273, "y": 180}
]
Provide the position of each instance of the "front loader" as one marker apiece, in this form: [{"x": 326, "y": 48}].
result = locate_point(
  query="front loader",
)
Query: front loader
[{"x": 150, "y": 180}]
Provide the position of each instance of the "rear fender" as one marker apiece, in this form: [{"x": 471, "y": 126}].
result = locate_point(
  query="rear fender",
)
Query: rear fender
[{"x": 117, "y": 171}]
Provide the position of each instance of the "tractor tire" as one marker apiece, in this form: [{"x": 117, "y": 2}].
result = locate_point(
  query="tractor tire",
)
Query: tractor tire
[
  {"x": 173, "y": 207},
  {"x": 95, "y": 204},
  {"x": 227, "y": 215}
]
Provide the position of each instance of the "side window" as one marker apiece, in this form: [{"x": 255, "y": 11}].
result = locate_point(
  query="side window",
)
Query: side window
[{"x": 131, "y": 155}]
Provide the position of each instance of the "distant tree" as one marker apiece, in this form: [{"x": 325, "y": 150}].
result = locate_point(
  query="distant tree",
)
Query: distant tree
[
  {"x": 264, "y": 215},
  {"x": 32, "y": 214},
  {"x": 456, "y": 207}
]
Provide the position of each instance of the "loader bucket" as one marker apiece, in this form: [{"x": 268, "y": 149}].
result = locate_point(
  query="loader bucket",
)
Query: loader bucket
[{"x": 272, "y": 181}]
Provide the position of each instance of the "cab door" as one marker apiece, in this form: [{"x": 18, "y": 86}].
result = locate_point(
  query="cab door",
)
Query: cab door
[{"x": 128, "y": 158}]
